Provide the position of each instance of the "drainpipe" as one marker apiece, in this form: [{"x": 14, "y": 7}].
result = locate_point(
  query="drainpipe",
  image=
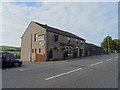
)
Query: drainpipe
[{"x": 31, "y": 49}]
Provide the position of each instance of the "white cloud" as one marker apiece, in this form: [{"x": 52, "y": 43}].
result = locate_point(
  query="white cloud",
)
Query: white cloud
[{"x": 92, "y": 21}]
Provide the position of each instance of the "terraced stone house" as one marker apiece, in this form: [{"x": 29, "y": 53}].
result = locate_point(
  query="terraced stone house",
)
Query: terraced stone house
[
  {"x": 42, "y": 43},
  {"x": 92, "y": 49}
]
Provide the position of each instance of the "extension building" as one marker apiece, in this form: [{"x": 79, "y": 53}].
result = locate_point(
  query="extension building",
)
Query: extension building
[
  {"x": 92, "y": 49},
  {"x": 42, "y": 42}
]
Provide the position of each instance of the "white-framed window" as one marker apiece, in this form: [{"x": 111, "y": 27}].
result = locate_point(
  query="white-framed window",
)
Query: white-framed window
[
  {"x": 35, "y": 37},
  {"x": 76, "y": 41},
  {"x": 69, "y": 50},
  {"x": 69, "y": 39}
]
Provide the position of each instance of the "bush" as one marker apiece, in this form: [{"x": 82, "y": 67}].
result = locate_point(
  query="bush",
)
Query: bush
[
  {"x": 50, "y": 54},
  {"x": 75, "y": 54},
  {"x": 65, "y": 54}
]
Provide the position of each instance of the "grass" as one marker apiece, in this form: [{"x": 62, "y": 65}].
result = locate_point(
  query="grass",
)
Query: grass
[
  {"x": 13, "y": 52},
  {"x": 7, "y": 48}
]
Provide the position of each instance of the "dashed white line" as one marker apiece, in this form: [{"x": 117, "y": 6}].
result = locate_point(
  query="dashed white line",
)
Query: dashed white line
[
  {"x": 109, "y": 60},
  {"x": 96, "y": 63},
  {"x": 20, "y": 70},
  {"x": 63, "y": 74}
]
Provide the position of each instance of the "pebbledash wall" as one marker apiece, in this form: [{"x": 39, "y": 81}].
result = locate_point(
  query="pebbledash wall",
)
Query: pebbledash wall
[{"x": 39, "y": 40}]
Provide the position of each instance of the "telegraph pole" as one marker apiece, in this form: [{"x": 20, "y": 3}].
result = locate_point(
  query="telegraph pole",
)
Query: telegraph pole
[{"x": 108, "y": 45}]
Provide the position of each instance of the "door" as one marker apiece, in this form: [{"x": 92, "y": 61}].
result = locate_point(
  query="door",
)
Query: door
[
  {"x": 81, "y": 52},
  {"x": 39, "y": 57},
  {"x": 78, "y": 55}
]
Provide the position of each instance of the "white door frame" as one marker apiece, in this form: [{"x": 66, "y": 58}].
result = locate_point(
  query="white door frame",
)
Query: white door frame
[{"x": 78, "y": 51}]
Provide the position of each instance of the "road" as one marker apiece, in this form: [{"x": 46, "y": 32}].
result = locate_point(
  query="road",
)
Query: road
[{"x": 87, "y": 72}]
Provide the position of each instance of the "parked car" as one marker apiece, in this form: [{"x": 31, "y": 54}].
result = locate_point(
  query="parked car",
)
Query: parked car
[{"x": 7, "y": 61}]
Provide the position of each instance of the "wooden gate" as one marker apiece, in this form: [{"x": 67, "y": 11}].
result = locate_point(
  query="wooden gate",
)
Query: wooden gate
[{"x": 39, "y": 57}]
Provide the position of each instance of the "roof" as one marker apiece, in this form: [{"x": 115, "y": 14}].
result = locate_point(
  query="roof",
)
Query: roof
[
  {"x": 93, "y": 45},
  {"x": 58, "y": 31}
]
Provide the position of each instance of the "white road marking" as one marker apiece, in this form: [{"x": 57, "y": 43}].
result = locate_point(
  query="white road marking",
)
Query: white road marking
[
  {"x": 20, "y": 69},
  {"x": 96, "y": 63},
  {"x": 63, "y": 74},
  {"x": 109, "y": 60}
]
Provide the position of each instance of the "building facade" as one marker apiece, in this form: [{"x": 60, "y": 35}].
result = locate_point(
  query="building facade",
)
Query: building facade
[
  {"x": 92, "y": 49},
  {"x": 43, "y": 43}
]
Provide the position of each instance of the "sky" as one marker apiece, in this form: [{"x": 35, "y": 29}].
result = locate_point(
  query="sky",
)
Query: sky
[{"x": 92, "y": 21}]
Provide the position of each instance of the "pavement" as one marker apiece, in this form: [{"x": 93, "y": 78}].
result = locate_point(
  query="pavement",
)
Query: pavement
[{"x": 88, "y": 72}]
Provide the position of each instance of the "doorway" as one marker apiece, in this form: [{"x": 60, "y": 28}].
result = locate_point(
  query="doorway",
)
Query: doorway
[{"x": 39, "y": 57}]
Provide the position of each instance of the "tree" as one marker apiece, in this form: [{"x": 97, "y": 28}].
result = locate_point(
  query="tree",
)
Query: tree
[
  {"x": 115, "y": 45},
  {"x": 111, "y": 46},
  {"x": 106, "y": 44}
]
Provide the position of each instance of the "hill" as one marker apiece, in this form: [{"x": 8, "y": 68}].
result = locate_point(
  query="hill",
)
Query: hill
[{"x": 10, "y": 49}]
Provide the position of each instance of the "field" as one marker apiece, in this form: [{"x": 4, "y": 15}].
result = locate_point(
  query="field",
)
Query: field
[{"x": 10, "y": 49}]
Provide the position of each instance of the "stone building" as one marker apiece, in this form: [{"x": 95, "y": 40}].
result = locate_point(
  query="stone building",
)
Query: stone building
[
  {"x": 92, "y": 49},
  {"x": 42, "y": 43}
]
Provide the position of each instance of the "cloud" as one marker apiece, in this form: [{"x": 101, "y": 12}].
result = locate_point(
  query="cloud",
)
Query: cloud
[{"x": 92, "y": 21}]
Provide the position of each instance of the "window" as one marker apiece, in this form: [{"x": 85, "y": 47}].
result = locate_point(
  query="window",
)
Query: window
[
  {"x": 69, "y": 39},
  {"x": 70, "y": 50},
  {"x": 82, "y": 42},
  {"x": 39, "y": 50},
  {"x": 76, "y": 41},
  {"x": 40, "y": 37},
  {"x": 32, "y": 50},
  {"x": 35, "y": 50},
  {"x": 57, "y": 50},
  {"x": 35, "y": 36},
  {"x": 7, "y": 59},
  {"x": 56, "y": 38}
]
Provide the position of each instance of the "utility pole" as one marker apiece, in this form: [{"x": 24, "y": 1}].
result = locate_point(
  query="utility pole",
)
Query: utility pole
[
  {"x": 31, "y": 49},
  {"x": 108, "y": 45}
]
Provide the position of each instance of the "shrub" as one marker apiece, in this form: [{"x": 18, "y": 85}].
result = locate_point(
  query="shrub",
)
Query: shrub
[
  {"x": 50, "y": 54},
  {"x": 65, "y": 54},
  {"x": 75, "y": 54}
]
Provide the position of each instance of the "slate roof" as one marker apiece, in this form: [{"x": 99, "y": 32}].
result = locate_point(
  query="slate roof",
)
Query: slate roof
[
  {"x": 58, "y": 31},
  {"x": 90, "y": 44}
]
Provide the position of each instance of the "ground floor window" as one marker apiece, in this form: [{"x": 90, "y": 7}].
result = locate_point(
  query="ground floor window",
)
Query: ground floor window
[
  {"x": 32, "y": 50},
  {"x": 35, "y": 50},
  {"x": 69, "y": 50},
  {"x": 39, "y": 50}
]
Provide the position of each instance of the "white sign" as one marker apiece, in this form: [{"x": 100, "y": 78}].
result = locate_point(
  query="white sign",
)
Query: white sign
[{"x": 40, "y": 37}]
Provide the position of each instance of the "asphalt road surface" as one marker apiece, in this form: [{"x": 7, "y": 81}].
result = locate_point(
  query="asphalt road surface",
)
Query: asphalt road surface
[{"x": 87, "y": 72}]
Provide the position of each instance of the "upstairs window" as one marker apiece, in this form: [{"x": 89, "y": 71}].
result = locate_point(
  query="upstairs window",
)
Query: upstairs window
[
  {"x": 55, "y": 38},
  {"x": 82, "y": 42},
  {"x": 69, "y": 39},
  {"x": 35, "y": 37},
  {"x": 76, "y": 41}
]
